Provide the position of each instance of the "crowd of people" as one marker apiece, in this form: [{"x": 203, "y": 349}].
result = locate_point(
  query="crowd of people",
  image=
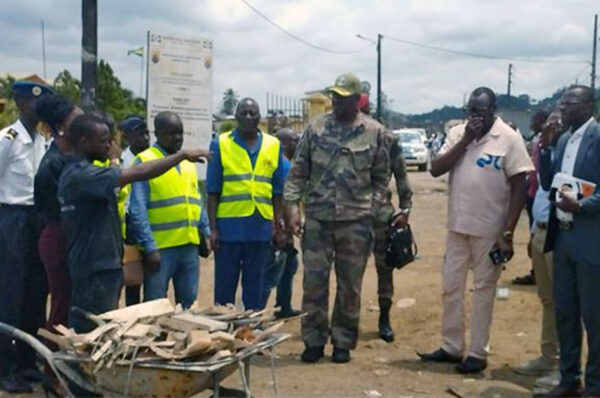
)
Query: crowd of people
[{"x": 75, "y": 208}]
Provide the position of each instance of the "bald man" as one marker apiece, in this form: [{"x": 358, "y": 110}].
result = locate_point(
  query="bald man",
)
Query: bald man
[
  {"x": 168, "y": 219},
  {"x": 244, "y": 183}
]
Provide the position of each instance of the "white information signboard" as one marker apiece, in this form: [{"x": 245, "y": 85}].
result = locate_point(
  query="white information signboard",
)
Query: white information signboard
[{"x": 180, "y": 81}]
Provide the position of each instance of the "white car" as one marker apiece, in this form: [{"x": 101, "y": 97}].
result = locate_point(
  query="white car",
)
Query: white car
[{"x": 414, "y": 150}]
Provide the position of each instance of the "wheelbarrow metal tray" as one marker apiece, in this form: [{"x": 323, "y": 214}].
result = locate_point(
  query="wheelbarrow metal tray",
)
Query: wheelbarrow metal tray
[{"x": 166, "y": 378}]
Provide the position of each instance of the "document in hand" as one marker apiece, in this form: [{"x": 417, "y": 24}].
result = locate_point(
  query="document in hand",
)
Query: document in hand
[
  {"x": 572, "y": 186},
  {"x": 567, "y": 183}
]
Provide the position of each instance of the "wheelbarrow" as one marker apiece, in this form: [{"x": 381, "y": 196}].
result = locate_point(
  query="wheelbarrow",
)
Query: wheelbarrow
[{"x": 158, "y": 378}]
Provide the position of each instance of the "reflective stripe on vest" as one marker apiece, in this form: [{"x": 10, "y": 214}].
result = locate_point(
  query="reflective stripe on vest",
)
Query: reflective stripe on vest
[
  {"x": 246, "y": 189},
  {"x": 122, "y": 196},
  {"x": 175, "y": 206}
]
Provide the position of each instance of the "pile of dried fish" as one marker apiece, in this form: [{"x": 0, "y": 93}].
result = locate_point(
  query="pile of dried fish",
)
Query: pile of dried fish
[{"x": 157, "y": 330}]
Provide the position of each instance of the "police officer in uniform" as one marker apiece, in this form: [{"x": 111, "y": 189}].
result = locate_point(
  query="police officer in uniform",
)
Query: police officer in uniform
[{"x": 23, "y": 286}]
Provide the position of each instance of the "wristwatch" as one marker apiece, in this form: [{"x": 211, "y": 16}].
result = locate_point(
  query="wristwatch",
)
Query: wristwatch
[{"x": 508, "y": 235}]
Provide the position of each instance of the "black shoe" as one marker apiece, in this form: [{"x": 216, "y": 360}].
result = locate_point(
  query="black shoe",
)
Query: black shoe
[
  {"x": 287, "y": 314},
  {"x": 472, "y": 365},
  {"x": 439, "y": 355},
  {"x": 340, "y": 355},
  {"x": 525, "y": 280},
  {"x": 32, "y": 375},
  {"x": 312, "y": 354},
  {"x": 385, "y": 329},
  {"x": 560, "y": 391},
  {"x": 15, "y": 385}
]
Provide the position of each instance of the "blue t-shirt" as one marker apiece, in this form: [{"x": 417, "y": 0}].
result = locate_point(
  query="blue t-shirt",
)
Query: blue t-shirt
[
  {"x": 90, "y": 219},
  {"x": 253, "y": 228}
]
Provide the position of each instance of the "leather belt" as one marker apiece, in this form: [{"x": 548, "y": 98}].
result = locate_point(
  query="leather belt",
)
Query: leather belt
[{"x": 542, "y": 225}]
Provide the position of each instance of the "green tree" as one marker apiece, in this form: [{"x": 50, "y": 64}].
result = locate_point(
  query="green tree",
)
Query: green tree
[
  {"x": 66, "y": 85},
  {"x": 230, "y": 100},
  {"x": 113, "y": 98}
]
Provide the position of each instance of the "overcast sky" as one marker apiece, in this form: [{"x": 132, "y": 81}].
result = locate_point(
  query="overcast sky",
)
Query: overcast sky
[{"x": 254, "y": 58}]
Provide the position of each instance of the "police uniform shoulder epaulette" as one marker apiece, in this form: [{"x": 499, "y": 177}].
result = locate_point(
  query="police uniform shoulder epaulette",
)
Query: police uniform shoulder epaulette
[{"x": 11, "y": 134}]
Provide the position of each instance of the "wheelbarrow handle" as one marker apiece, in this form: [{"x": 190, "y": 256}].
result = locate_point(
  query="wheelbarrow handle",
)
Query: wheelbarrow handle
[{"x": 40, "y": 348}]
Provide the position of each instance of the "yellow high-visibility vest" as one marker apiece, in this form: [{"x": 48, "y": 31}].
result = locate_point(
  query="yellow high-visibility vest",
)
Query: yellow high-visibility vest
[
  {"x": 246, "y": 189},
  {"x": 175, "y": 205},
  {"x": 121, "y": 197}
]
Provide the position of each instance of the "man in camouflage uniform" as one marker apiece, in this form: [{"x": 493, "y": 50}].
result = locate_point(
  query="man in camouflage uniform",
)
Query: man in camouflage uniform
[
  {"x": 340, "y": 170},
  {"x": 383, "y": 220}
]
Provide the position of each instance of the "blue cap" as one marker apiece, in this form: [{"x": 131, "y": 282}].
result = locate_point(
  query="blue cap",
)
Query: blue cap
[
  {"x": 27, "y": 88},
  {"x": 132, "y": 124}
]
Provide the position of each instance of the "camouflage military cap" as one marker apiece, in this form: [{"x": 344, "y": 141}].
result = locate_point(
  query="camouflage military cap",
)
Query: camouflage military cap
[{"x": 346, "y": 85}]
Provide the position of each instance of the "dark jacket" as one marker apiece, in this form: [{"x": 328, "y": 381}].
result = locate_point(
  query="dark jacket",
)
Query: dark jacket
[{"x": 586, "y": 223}]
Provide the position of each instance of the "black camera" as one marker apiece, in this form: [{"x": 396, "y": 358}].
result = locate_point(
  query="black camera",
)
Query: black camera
[{"x": 497, "y": 256}]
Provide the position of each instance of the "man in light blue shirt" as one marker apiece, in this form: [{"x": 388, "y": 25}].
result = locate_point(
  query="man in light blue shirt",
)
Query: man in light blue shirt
[{"x": 542, "y": 262}]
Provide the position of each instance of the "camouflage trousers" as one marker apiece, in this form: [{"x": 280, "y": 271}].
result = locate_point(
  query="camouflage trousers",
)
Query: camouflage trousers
[
  {"x": 385, "y": 274},
  {"x": 346, "y": 245}
]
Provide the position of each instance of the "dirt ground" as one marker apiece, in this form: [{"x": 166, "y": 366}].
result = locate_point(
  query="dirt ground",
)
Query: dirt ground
[{"x": 392, "y": 369}]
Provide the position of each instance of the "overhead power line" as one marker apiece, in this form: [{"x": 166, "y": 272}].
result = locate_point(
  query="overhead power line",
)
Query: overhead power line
[
  {"x": 301, "y": 40},
  {"x": 486, "y": 56}
]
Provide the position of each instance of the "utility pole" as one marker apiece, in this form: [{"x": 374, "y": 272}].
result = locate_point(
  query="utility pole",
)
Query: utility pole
[
  {"x": 44, "y": 48},
  {"x": 89, "y": 51},
  {"x": 510, "y": 66},
  {"x": 379, "y": 113},
  {"x": 593, "y": 85}
]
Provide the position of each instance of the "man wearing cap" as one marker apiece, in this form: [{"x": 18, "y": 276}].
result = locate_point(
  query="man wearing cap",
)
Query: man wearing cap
[
  {"x": 137, "y": 136},
  {"x": 23, "y": 286},
  {"x": 340, "y": 170}
]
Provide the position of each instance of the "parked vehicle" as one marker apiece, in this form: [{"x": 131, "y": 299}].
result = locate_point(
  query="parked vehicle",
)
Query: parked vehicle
[{"x": 414, "y": 148}]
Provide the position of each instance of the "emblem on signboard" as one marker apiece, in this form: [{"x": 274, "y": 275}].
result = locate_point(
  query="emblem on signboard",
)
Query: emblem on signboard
[{"x": 155, "y": 56}]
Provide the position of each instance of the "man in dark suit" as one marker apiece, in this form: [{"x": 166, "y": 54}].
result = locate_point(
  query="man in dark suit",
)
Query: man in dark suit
[{"x": 574, "y": 235}]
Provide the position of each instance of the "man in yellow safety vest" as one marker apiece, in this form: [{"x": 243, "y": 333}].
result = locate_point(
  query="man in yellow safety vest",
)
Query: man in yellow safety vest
[
  {"x": 166, "y": 216},
  {"x": 245, "y": 186}
]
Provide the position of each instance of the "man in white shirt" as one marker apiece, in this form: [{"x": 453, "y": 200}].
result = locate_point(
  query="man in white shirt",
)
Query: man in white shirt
[
  {"x": 574, "y": 234},
  {"x": 137, "y": 136},
  {"x": 135, "y": 131},
  {"x": 23, "y": 286}
]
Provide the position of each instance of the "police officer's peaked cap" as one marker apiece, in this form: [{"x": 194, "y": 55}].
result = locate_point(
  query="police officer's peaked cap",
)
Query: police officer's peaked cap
[
  {"x": 132, "y": 124},
  {"x": 31, "y": 86}
]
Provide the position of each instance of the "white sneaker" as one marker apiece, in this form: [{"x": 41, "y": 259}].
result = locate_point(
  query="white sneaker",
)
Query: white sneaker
[
  {"x": 536, "y": 367},
  {"x": 549, "y": 381}
]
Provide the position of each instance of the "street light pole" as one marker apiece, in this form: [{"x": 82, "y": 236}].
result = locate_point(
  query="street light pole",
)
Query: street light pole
[
  {"x": 379, "y": 110},
  {"x": 89, "y": 51}
]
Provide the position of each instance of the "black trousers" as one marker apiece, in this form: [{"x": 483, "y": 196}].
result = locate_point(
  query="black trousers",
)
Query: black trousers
[{"x": 23, "y": 284}]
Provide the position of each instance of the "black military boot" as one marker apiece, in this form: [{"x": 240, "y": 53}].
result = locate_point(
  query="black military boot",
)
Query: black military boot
[{"x": 385, "y": 329}]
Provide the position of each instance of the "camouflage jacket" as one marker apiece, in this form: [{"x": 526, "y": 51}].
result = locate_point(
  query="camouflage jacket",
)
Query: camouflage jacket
[
  {"x": 339, "y": 171},
  {"x": 398, "y": 170}
]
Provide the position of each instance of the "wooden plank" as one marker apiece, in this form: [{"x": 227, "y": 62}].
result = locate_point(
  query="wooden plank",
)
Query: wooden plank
[
  {"x": 153, "y": 308},
  {"x": 138, "y": 330},
  {"x": 61, "y": 341},
  {"x": 201, "y": 322},
  {"x": 103, "y": 350},
  {"x": 64, "y": 330},
  {"x": 176, "y": 324}
]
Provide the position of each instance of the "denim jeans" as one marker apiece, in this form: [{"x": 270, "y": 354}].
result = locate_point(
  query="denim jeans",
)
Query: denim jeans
[
  {"x": 180, "y": 263},
  {"x": 280, "y": 273}
]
